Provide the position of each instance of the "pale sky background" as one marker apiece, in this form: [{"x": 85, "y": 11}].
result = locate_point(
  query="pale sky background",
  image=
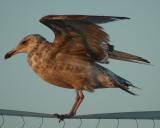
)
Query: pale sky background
[{"x": 21, "y": 89}]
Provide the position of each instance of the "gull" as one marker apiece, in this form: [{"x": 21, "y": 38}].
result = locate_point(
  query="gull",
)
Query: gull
[{"x": 72, "y": 59}]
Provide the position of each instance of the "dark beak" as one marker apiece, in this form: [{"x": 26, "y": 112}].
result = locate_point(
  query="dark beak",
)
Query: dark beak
[{"x": 10, "y": 54}]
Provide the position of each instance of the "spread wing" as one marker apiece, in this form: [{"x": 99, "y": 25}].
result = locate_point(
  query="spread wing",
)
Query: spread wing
[{"x": 80, "y": 34}]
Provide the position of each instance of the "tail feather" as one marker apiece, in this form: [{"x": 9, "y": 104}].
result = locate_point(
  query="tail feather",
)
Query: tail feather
[
  {"x": 119, "y": 81},
  {"x": 119, "y": 55},
  {"x": 127, "y": 90},
  {"x": 125, "y": 84}
]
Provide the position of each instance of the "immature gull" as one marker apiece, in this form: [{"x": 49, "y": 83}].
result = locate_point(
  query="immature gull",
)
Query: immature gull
[{"x": 71, "y": 60}]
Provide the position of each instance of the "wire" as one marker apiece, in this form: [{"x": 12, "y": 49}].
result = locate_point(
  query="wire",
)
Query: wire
[
  {"x": 117, "y": 123},
  {"x": 153, "y": 123},
  {"x": 64, "y": 123},
  {"x": 2, "y": 124},
  {"x": 98, "y": 123},
  {"x": 23, "y": 122},
  {"x": 80, "y": 125},
  {"x": 136, "y": 122},
  {"x": 41, "y": 123}
]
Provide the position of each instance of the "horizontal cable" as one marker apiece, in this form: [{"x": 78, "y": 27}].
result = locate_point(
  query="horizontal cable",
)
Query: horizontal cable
[
  {"x": 25, "y": 114},
  {"x": 121, "y": 115}
]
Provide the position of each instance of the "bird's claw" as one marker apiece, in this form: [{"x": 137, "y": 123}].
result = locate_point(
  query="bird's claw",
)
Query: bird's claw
[{"x": 61, "y": 117}]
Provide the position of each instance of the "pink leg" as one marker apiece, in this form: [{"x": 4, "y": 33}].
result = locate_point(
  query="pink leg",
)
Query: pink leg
[
  {"x": 71, "y": 113},
  {"x": 81, "y": 97},
  {"x": 76, "y": 105}
]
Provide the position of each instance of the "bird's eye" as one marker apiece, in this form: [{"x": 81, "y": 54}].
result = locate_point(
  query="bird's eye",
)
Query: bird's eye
[{"x": 23, "y": 42}]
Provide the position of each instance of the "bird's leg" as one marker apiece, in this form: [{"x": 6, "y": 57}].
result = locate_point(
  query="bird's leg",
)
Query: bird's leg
[
  {"x": 81, "y": 97},
  {"x": 71, "y": 113},
  {"x": 76, "y": 105}
]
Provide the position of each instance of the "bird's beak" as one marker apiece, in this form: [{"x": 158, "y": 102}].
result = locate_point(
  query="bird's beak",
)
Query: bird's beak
[{"x": 10, "y": 53}]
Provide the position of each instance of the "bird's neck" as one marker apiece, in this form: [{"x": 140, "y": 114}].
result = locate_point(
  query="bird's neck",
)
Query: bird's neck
[
  {"x": 44, "y": 46},
  {"x": 38, "y": 48}
]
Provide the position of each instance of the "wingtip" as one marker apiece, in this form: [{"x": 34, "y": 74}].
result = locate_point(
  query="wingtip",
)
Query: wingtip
[
  {"x": 144, "y": 60},
  {"x": 147, "y": 61},
  {"x": 135, "y": 87},
  {"x": 45, "y": 18},
  {"x": 124, "y": 18}
]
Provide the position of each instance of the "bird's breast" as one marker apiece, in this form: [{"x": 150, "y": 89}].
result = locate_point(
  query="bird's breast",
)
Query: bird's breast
[
  {"x": 66, "y": 71},
  {"x": 60, "y": 72},
  {"x": 49, "y": 69}
]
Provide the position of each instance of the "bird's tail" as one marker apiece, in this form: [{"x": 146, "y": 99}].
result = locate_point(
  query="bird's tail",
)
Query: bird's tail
[
  {"x": 119, "y": 55},
  {"x": 119, "y": 81},
  {"x": 123, "y": 83}
]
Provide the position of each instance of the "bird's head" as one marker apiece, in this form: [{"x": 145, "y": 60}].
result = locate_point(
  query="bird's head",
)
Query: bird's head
[{"x": 26, "y": 45}]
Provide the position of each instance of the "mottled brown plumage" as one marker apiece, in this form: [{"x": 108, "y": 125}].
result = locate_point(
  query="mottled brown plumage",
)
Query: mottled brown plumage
[{"x": 70, "y": 61}]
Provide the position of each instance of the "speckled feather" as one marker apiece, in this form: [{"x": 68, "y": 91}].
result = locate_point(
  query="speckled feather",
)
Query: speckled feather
[
  {"x": 70, "y": 61},
  {"x": 69, "y": 71}
]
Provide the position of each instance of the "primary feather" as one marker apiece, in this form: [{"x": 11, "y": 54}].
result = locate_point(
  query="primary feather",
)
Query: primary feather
[{"x": 93, "y": 41}]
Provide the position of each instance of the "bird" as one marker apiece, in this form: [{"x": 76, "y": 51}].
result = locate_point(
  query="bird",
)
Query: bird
[{"x": 73, "y": 59}]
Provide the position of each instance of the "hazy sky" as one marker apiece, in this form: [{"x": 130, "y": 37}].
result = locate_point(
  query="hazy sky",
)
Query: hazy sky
[{"x": 21, "y": 89}]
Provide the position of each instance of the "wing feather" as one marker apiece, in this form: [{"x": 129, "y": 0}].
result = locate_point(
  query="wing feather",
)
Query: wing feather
[
  {"x": 84, "y": 18},
  {"x": 82, "y": 29}
]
